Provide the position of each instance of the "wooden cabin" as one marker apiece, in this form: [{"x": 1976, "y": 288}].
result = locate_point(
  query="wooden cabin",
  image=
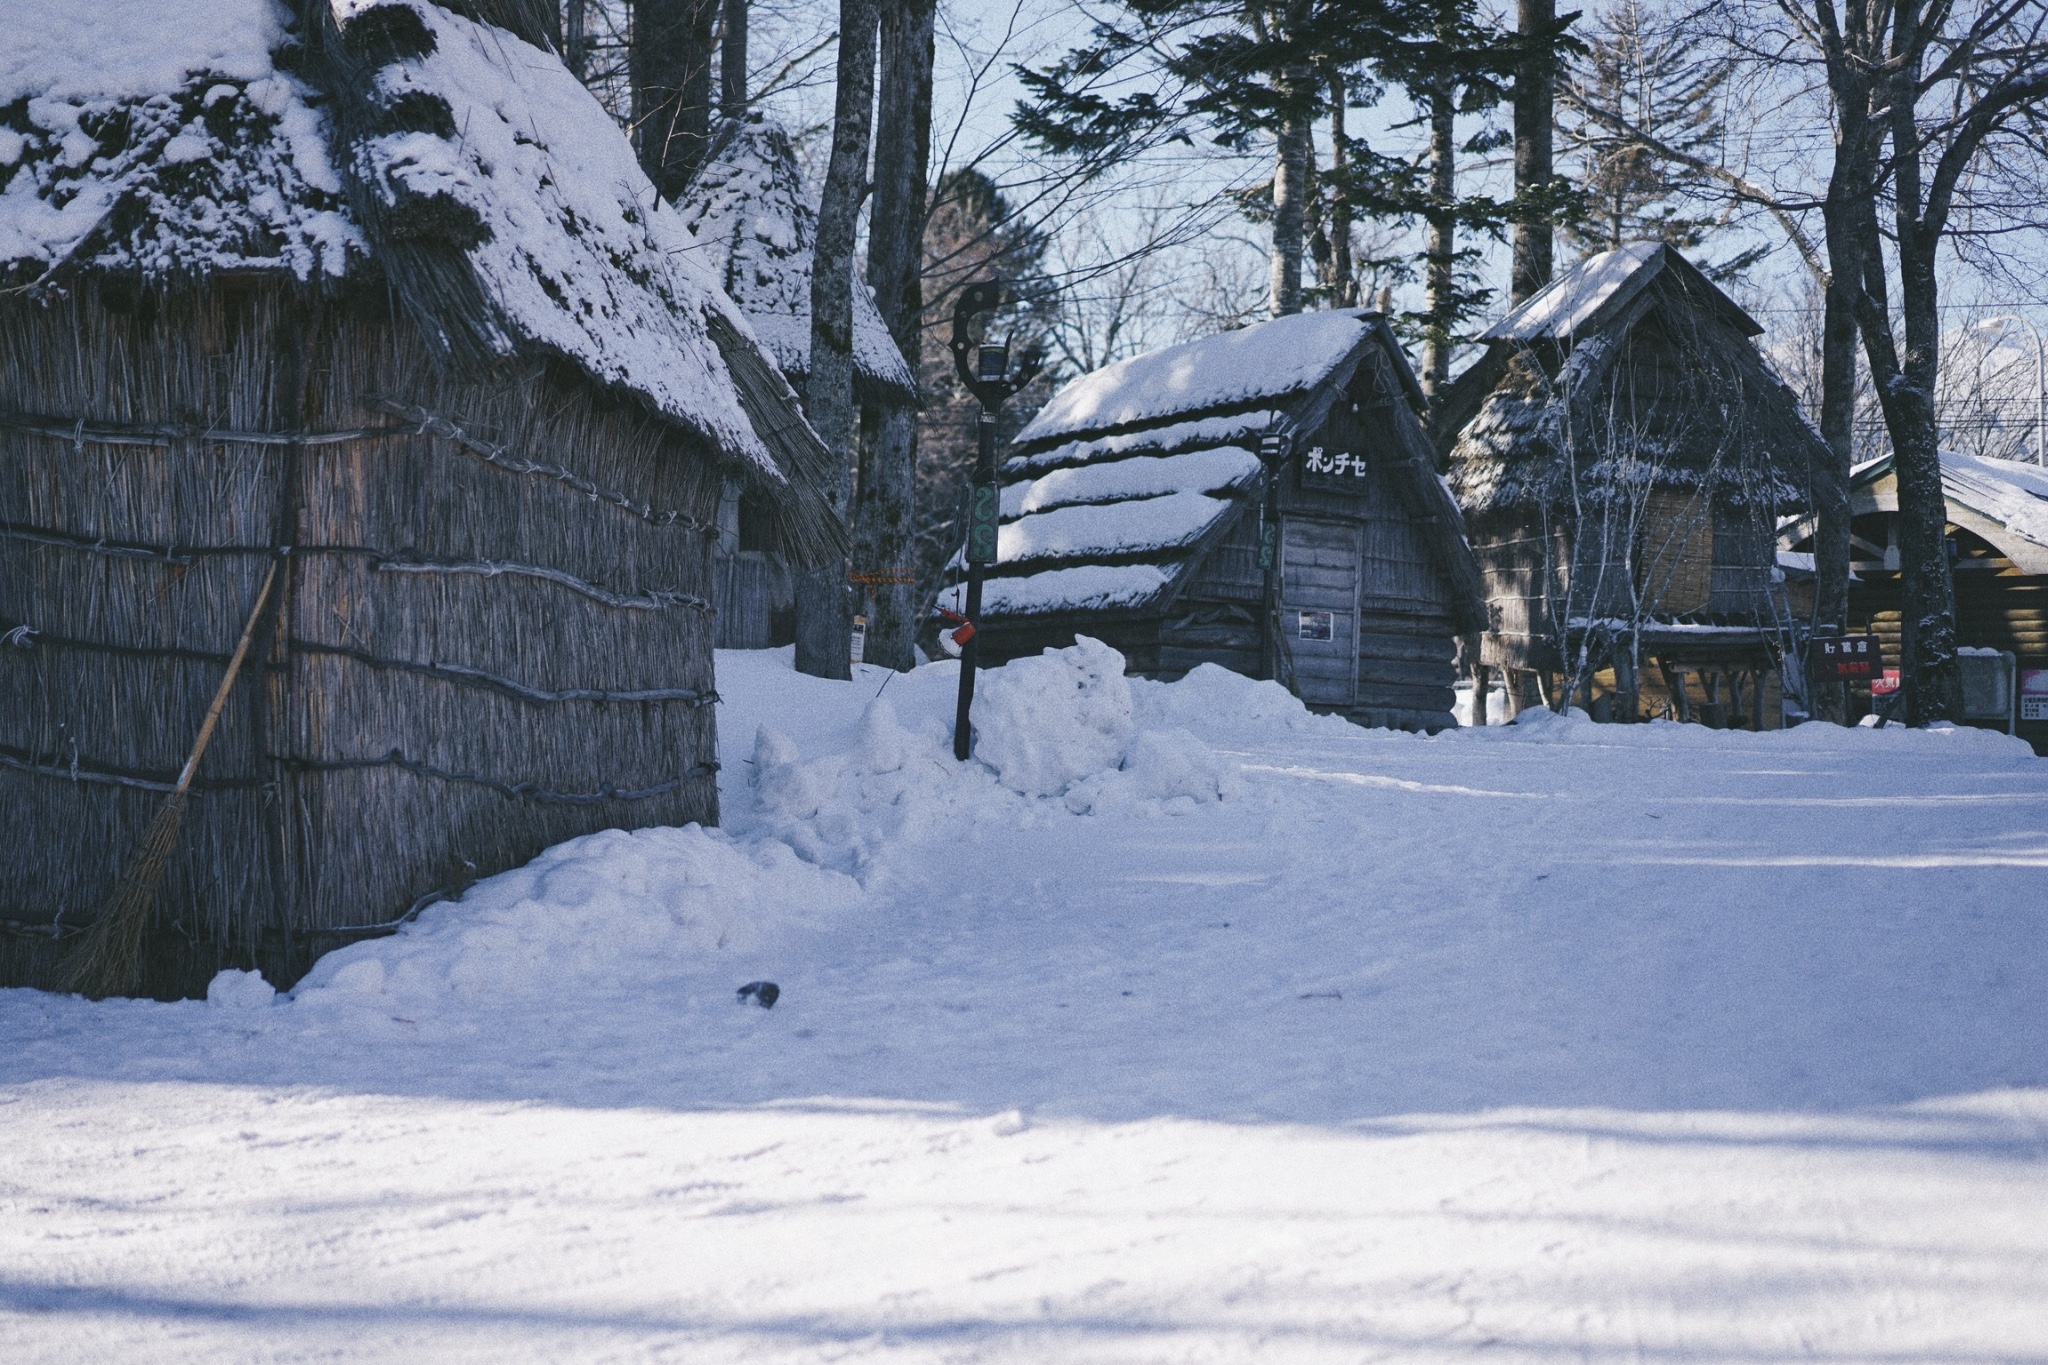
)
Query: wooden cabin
[
  {"x": 1998, "y": 539},
  {"x": 1623, "y": 454},
  {"x": 755, "y": 226},
  {"x": 387, "y": 302},
  {"x": 1265, "y": 500}
]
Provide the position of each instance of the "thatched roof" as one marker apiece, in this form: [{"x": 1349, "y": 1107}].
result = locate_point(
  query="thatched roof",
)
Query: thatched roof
[
  {"x": 163, "y": 140},
  {"x": 1121, "y": 483},
  {"x": 754, "y": 225},
  {"x": 1629, "y": 372}
]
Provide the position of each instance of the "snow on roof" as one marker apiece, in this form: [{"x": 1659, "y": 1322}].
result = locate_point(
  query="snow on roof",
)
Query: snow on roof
[
  {"x": 752, "y": 225},
  {"x": 1149, "y": 476},
  {"x": 2013, "y": 494},
  {"x": 1147, "y": 526},
  {"x": 1254, "y": 364},
  {"x": 160, "y": 136},
  {"x": 172, "y": 112},
  {"x": 1574, "y": 298},
  {"x": 580, "y": 253},
  {"x": 1087, "y": 587},
  {"x": 1143, "y": 494},
  {"x": 1243, "y": 429}
]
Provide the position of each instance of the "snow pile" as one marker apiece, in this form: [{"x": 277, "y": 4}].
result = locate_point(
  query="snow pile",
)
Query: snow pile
[
  {"x": 1166, "y": 772},
  {"x": 597, "y": 916},
  {"x": 1044, "y": 724},
  {"x": 1213, "y": 700},
  {"x": 233, "y": 990},
  {"x": 1056, "y": 735},
  {"x": 841, "y": 810},
  {"x": 1104, "y": 530}
]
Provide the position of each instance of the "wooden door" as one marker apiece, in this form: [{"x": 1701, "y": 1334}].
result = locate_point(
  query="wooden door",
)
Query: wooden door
[{"x": 1319, "y": 607}]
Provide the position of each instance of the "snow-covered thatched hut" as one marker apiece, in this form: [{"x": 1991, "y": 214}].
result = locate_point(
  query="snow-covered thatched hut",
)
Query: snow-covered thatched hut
[
  {"x": 1623, "y": 454},
  {"x": 376, "y": 291},
  {"x": 755, "y": 226},
  {"x": 1138, "y": 509}
]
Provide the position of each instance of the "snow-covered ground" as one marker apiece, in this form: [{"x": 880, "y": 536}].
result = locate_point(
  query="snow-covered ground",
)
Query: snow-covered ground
[{"x": 1203, "y": 1030}]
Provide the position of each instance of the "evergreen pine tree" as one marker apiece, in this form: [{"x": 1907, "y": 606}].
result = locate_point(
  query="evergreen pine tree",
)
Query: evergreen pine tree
[{"x": 1642, "y": 69}]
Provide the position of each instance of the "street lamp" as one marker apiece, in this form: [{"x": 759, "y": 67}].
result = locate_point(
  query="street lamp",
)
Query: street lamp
[{"x": 985, "y": 370}]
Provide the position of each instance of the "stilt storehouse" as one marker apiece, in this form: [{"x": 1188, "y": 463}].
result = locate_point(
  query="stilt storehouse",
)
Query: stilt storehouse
[{"x": 1623, "y": 454}]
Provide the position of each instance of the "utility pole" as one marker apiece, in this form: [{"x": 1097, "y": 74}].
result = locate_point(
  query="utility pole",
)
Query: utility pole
[{"x": 988, "y": 377}]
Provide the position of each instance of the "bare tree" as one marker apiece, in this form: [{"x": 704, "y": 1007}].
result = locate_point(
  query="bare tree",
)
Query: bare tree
[
  {"x": 1982, "y": 70},
  {"x": 823, "y": 608},
  {"x": 884, "y": 518},
  {"x": 672, "y": 47}
]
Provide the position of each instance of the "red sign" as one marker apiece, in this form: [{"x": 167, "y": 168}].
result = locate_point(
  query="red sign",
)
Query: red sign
[
  {"x": 1845, "y": 658},
  {"x": 1885, "y": 686}
]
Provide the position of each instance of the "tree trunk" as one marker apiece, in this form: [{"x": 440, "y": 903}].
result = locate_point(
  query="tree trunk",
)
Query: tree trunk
[
  {"x": 885, "y": 520},
  {"x": 671, "y": 70},
  {"x": 824, "y": 612},
  {"x": 1344, "y": 276},
  {"x": 1535, "y": 94},
  {"x": 1830, "y": 700},
  {"x": 1290, "y": 191},
  {"x": 1927, "y": 591},
  {"x": 575, "y": 38},
  {"x": 1439, "y": 303},
  {"x": 732, "y": 60}
]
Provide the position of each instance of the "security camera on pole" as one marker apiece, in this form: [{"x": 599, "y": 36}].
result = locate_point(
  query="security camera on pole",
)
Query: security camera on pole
[{"x": 986, "y": 373}]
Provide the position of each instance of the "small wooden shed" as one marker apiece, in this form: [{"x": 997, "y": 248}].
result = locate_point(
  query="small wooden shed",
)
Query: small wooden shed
[
  {"x": 755, "y": 226},
  {"x": 389, "y": 303},
  {"x": 1624, "y": 454},
  {"x": 1265, "y": 500}
]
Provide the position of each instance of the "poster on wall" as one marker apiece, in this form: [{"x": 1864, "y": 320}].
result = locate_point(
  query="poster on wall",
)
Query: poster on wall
[
  {"x": 1317, "y": 625},
  {"x": 2034, "y": 694}
]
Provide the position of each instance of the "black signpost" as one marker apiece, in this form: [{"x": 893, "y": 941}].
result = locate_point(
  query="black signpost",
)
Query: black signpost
[
  {"x": 1844, "y": 658},
  {"x": 986, "y": 373}
]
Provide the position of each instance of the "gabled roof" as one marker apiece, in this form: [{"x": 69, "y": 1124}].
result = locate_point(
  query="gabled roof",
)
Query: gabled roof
[
  {"x": 1238, "y": 370},
  {"x": 174, "y": 138},
  {"x": 753, "y": 226},
  {"x": 1545, "y": 388},
  {"x": 2003, "y": 501},
  {"x": 1596, "y": 290},
  {"x": 1117, "y": 488}
]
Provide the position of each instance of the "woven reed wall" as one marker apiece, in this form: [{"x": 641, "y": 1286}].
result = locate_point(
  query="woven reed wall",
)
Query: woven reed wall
[
  {"x": 1678, "y": 551},
  {"x": 438, "y": 691}
]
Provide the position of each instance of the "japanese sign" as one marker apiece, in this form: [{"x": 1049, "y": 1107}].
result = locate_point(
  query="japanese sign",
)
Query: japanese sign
[
  {"x": 983, "y": 504},
  {"x": 2034, "y": 694},
  {"x": 1886, "y": 685},
  {"x": 1844, "y": 658},
  {"x": 1323, "y": 465},
  {"x": 1316, "y": 625}
]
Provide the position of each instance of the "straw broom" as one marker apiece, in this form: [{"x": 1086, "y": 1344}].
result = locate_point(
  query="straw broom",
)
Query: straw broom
[{"x": 108, "y": 959}]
